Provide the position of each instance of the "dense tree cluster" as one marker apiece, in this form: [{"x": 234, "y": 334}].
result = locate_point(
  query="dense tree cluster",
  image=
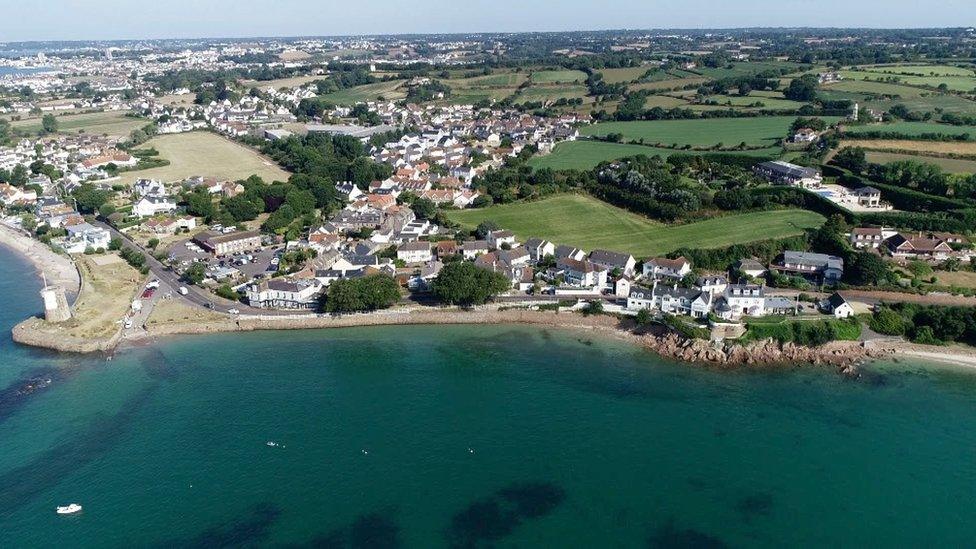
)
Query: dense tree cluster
[
  {"x": 927, "y": 324},
  {"x": 369, "y": 293},
  {"x": 465, "y": 284}
]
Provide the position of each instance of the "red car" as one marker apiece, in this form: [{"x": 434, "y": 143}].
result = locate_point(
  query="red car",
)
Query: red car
[{"x": 148, "y": 293}]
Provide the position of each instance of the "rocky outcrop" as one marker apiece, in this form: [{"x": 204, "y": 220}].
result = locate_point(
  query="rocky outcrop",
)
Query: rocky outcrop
[
  {"x": 843, "y": 354},
  {"x": 36, "y": 333}
]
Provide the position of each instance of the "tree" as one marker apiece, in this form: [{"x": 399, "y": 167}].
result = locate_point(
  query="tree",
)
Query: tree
[
  {"x": 49, "y": 123},
  {"x": 852, "y": 158},
  {"x": 301, "y": 202},
  {"x": 888, "y": 322},
  {"x": 240, "y": 208},
  {"x": 115, "y": 244},
  {"x": 89, "y": 199},
  {"x": 200, "y": 204},
  {"x": 153, "y": 242},
  {"x": 195, "y": 273},
  {"x": 369, "y": 293},
  {"x": 865, "y": 268},
  {"x": 467, "y": 284},
  {"x": 424, "y": 208},
  {"x": 643, "y": 317},
  {"x": 485, "y": 227},
  {"x": 803, "y": 88}
]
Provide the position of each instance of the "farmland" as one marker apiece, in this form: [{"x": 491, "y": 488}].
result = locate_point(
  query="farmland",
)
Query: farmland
[
  {"x": 583, "y": 155},
  {"x": 955, "y": 82},
  {"x": 367, "y": 92},
  {"x": 558, "y": 77},
  {"x": 207, "y": 154},
  {"x": 629, "y": 74},
  {"x": 758, "y": 131},
  {"x": 112, "y": 123},
  {"x": 912, "y": 129},
  {"x": 586, "y": 222},
  {"x": 949, "y": 165},
  {"x": 550, "y": 93},
  {"x": 967, "y": 148}
]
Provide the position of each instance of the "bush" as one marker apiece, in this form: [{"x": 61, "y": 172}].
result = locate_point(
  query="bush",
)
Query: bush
[{"x": 887, "y": 322}]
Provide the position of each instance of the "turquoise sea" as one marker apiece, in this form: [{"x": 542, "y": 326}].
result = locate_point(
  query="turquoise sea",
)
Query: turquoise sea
[{"x": 469, "y": 437}]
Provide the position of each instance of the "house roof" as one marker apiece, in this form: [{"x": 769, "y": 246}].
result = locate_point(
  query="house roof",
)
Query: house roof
[{"x": 606, "y": 257}]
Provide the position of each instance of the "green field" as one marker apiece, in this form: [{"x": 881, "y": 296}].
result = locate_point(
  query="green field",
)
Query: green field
[
  {"x": 558, "y": 77},
  {"x": 954, "y": 83},
  {"x": 911, "y": 128},
  {"x": 629, "y": 74},
  {"x": 664, "y": 101},
  {"x": 757, "y": 131},
  {"x": 746, "y": 101},
  {"x": 367, "y": 92},
  {"x": 550, "y": 93},
  {"x": 919, "y": 70},
  {"x": 669, "y": 84},
  {"x": 207, "y": 154},
  {"x": 748, "y": 68},
  {"x": 877, "y": 88},
  {"x": 583, "y": 154},
  {"x": 501, "y": 80},
  {"x": 112, "y": 123},
  {"x": 588, "y": 223},
  {"x": 949, "y": 165}
]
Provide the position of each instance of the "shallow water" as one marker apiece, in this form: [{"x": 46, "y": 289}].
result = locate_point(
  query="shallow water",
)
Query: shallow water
[{"x": 469, "y": 435}]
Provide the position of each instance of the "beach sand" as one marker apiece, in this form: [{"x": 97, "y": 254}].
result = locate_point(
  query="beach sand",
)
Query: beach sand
[{"x": 58, "y": 269}]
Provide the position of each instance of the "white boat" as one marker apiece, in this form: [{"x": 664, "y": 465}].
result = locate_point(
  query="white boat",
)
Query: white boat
[{"x": 69, "y": 509}]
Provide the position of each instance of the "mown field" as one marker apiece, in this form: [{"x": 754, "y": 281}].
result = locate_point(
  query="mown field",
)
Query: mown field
[
  {"x": 949, "y": 165},
  {"x": 963, "y": 83},
  {"x": 292, "y": 82},
  {"x": 367, "y": 92},
  {"x": 207, "y": 154},
  {"x": 757, "y": 131},
  {"x": 583, "y": 155},
  {"x": 550, "y": 93},
  {"x": 111, "y": 123},
  {"x": 588, "y": 223},
  {"x": 558, "y": 77},
  {"x": 629, "y": 74}
]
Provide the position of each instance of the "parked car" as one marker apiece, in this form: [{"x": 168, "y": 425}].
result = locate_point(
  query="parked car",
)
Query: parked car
[{"x": 233, "y": 311}]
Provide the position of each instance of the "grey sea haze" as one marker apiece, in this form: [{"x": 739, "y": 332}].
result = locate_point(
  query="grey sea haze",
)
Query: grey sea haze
[{"x": 466, "y": 436}]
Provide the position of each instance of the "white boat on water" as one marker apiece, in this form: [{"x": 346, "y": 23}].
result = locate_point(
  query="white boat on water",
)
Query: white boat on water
[{"x": 69, "y": 509}]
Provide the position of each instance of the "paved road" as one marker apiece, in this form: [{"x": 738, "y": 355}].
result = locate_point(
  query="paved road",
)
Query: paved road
[{"x": 198, "y": 297}]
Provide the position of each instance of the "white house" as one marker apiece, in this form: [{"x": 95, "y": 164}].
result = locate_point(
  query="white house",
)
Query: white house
[
  {"x": 149, "y": 206},
  {"x": 838, "y": 306},
  {"x": 149, "y": 187},
  {"x": 415, "y": 252},
  {"x": 498, "y": 238},
  {"x": 662, "y": 267},
  {"x": 539, "y": 248}
]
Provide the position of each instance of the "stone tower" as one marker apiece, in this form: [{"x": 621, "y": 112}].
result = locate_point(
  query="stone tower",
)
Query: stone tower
[{"x": 55, "y": 303}]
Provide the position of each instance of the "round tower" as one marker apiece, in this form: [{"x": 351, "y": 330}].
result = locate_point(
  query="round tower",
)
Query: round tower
[{"x": 55, "y": 304}]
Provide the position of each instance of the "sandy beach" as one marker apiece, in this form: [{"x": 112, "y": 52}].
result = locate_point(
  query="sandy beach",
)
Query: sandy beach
[{"x": 58, "y": 269}]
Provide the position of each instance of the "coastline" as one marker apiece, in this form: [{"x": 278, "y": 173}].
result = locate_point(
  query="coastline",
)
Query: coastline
[{"x": 56, "y": 268}]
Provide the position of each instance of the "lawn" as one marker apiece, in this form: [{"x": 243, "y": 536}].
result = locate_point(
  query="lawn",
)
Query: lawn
[
  {"x": 586, "y": 222},
  {"x": 558, "y": 77},
  {"x": 367, "y": 92},
  {"x": 293, "y": 82},
  {"x": 207, "y": 154},
  {"x": 754, "y": 131},
  {"x": 669, "y": 84},
  {"x": 501, "y": 80},
  {"x": 749, "y": 68},
  {"x": 749, "y": 100},
  {"x": 954, "y": 83},
  {"x": 949, "y": 165},
  {"x": 920, "y": 70},
  {"x": 583, "y": 155},
  {"x": 664, "y": 101},
  {"x": 112, "y": 123}
]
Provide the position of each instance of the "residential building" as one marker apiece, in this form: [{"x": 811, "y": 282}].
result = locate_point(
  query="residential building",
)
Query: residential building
[
  {"x": 662, "y": 267},
  {"x": 614, "y": 260},
  {"x": 539, "y": 248},
  {"x": 812, "y": 266},
  {"x": 231, "y": 243},
  {"x": 496, "y": 239},
  {"x": 415, "y": 252},
  {"x": 473, "y": 248},
  {"x": 149, "y": 206},
  {"x": 582, "y": 274},
  {"x": 777, "y": 171},
  {"x": 838, "y": 306},
  {"x": 281, "y": 293}
]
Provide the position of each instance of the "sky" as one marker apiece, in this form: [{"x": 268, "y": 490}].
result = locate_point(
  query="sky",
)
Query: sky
[{"x": 27, "y": 20}]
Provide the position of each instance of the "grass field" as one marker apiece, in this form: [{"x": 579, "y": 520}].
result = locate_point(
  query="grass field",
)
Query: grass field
[
  {"x": 949, "y": 165},
  {"x": 858, "y": 85},
  {"x": 629, "y": 74},
  {"x": 501, "y": 80},
  {"x": 367, "y": 92},
  {"x": 292, "y": 82},
  {"x": 749, "y": 68},
  {"x": 104, "y": 299},
  {"x": 919, "y": 70},
  {"x": 550, "y": 93},
  {"x": 588, "y": 223},
  {"x": 911, "y": 128},
  {"x": 702, "y": 132},
  {"x": 558, "y": 77},
  {"x": 206, "y": 154},
  {"x": 664, "y": 101},
  {"x": 767, "y": 102},
  {"x": 898, "y": 145},
  {"x": 671, "y": 83},
  {"x": 583, "y": 155},
  {"x": 954, "y": 83},
  {"x": 112, "y": 123}
]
